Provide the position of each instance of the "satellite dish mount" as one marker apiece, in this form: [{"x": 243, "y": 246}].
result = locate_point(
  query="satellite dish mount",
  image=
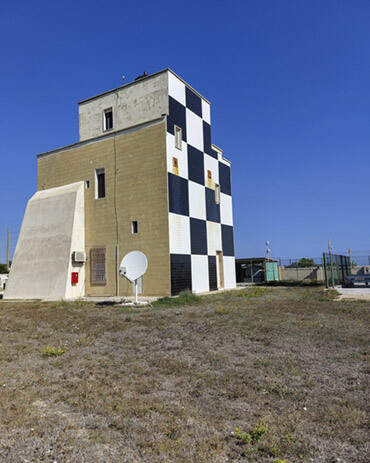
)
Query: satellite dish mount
[{"x": 132, "y": 267}]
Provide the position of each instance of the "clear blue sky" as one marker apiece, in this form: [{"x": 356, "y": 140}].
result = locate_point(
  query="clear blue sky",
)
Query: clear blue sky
[{"x": 289, "y": 83}]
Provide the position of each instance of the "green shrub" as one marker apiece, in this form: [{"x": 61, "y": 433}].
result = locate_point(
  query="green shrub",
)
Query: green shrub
[
  {"x": 52, "y": 351},
  {"x": 186, "y": 297},
  {"x": 254, "y": 435}
]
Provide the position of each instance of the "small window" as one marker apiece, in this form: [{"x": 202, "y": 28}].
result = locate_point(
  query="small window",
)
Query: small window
[
  {"x": 99, "y": 183},
  {"x": 98, "y": 276},
  {"x": 134, "y": 227},
  {"x": 217, "y": 193},
  {"x": 209, "y": 173},
  {"x": 178, "y": 137},
  {"x": 87, "y": 184},
  {"x": 175, "y": 166},
  {"x": 108, "y": 119}
]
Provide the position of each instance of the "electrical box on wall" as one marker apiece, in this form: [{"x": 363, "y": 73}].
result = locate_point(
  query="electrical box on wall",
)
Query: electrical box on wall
[{"x": 74, "y": 278}]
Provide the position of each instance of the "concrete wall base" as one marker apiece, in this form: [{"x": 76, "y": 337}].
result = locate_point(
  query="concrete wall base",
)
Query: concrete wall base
[{"x": 52, "y": 228}]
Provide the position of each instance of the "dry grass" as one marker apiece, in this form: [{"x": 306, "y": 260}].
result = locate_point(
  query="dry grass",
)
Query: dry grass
[{"x": 286, "y": 366}]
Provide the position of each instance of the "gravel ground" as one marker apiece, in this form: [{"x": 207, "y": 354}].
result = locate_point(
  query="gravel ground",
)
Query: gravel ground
[{"x": 260, "y": 375}]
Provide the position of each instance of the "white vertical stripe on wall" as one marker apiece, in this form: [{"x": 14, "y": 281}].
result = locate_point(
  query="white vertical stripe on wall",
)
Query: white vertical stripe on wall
[
  {"x": 194, "y": 130},
  {"x": 229, "y": 272},
  {"x": 199, "y": 273},
  {"x": 176, "y": 88},
  {"x": 226, "y": 209},
  {"x": 197, "y": 200},
  {"x": 179, "y": 234}
]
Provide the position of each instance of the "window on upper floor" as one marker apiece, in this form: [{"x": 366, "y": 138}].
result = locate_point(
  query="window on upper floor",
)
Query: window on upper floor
[
  {"x": 178, "y": 137},
  {"x": 108, "y": 119},
  {"x": 99, "y": 183}
]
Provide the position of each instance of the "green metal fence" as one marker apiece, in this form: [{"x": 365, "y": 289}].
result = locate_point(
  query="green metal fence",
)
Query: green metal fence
[{"x": 336, "y": 268}]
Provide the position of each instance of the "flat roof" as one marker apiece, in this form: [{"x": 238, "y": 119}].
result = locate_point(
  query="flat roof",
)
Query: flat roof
[{"x": 140, "y": 80}]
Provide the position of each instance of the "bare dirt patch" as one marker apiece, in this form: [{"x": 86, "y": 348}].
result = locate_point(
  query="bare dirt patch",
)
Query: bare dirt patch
[{"x": 286, "y": 366}]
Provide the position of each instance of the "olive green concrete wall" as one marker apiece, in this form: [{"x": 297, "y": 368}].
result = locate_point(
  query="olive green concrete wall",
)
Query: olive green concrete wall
[{"x": 136, "y": 189}]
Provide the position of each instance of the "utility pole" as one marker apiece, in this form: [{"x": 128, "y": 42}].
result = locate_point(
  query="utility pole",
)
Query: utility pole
[
  {"x": 350, "y": 256},
  {"x": 7, "y": 252}
]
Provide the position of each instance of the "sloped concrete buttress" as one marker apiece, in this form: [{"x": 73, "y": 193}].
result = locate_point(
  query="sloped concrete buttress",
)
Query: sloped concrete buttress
[{"x": 52, "y": 228}]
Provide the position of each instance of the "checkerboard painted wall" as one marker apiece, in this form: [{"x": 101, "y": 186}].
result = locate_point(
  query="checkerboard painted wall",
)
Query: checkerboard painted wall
[{"x": 200, "y": 226}]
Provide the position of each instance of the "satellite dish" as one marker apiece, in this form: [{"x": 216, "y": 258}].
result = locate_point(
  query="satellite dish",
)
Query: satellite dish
[{"x": 133, "y": 265}]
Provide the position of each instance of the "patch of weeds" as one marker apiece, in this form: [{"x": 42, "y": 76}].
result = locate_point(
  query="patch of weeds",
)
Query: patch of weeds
[
  {"x": 128, "y": 319},
  {"x": 222, "y": 310},
  {"x": 278, "y": 460},
  {"x": 254, "y": 435},
  {"x": 52, "y": 351},
  {"x": 277, "y": 388},
  {"x": 253, "y": 292},
  {"x": 186, "y": 297},
  {"x": 329, "y": 295}
]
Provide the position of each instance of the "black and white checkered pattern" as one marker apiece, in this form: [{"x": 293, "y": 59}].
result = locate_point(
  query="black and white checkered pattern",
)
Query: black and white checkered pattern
[{"x": 198, "y": 225}]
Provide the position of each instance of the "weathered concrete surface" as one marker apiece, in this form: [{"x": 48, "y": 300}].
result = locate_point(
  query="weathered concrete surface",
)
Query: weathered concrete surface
[
  {"x": 139, "y": 102},
  {"x": 301, "y": 273},
  {"x": 359, "y": 291},
  {"x": 53, "y": 227}
]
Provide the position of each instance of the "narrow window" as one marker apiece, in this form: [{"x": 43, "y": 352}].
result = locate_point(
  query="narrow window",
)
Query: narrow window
[
  {"x": 99, "y": 183},
  {"x": 217, "y": 193},
  {"x": 134, "y": 227},
  {"x": 87, "y": 184},
  {"x": 175, "y": 166},
  {"x": 178, "y": 137},
  {"x": 98, "y": 275},
  {"x": 108, "y": 119}
]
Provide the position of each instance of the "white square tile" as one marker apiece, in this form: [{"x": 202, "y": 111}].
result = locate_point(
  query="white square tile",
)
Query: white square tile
[
  {"x": 199, "y": 274},
  {"x": 179, "y": 229},
  {"x": 181, "y": 155},
  {"x": 194, "y": 130},
  {"x": 226, "y": 209},
  {"x": 206, "y": 111},
  {"x": 197, "y": 200},
  {"x": 213, "y": 238},
  {"x": 211, "y": 164},
  {"x": 229, "y": 272},
  {"x": 176, "y": 88}
]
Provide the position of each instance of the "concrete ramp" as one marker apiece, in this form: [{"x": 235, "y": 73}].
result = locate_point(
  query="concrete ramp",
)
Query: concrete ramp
[{"x": 52, "y": 228}]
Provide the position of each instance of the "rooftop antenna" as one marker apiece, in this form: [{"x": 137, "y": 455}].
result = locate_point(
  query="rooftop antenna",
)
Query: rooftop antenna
[
  {"x": 133, "y": 266},
  {"x": 330, "y": 247},
  {"x": 267, "y": 250}
]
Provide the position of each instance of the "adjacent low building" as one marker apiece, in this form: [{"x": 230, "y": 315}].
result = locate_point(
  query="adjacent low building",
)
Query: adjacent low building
[{"x": 144, "y": 176}]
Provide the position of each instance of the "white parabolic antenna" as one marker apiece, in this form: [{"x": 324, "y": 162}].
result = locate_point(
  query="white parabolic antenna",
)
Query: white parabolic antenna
[{"x": 133, "y": 265}]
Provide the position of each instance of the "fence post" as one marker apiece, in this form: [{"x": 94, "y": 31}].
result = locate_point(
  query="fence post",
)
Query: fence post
[
  {"x": 331, "y": 269},
  {"x": 325, "y": 270},
  {"x": 296, "y": 261},
  {"x": 336, "y": 264},
  {"x": 251, "y": 272}
]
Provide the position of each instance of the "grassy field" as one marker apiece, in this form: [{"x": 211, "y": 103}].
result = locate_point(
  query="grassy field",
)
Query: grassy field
[{"x": 258, "y": 375}]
